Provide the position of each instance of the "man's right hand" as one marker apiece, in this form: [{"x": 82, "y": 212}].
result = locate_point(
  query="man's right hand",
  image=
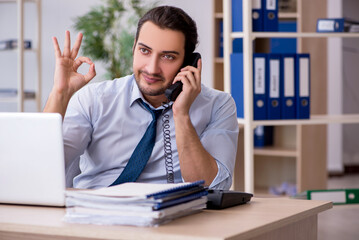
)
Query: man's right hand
[{"x": 66, "y": 79}]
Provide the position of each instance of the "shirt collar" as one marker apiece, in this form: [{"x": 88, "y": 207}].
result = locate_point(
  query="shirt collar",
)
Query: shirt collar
[{"x": 135, "y": 91}]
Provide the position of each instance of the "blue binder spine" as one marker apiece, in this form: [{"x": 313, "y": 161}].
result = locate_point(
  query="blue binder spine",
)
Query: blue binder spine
[
  {"x": 284, "y": 45},
  {"x": 257, "y": 16},
  {"x": 263, "y": 136},
  {"x": 259, "y": 86},
  {"x": 237, "y": 13},
  {"x": 259, "y": 136},
  {"x": 303, "y": 85},
  {"x": 237, "y": 45},
  {"x": 237, "y": 82},
  {"x": 330, "y": 25},
  {"x": 220, "y": 42},
  {"x": 273, "y": 87},
  {"x": 270, "y": 15},
  {"x": 287, "y": 88}
]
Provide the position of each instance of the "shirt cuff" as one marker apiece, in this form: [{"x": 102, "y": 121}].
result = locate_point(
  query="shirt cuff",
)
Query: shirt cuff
[{"x": 223, "y": 179}]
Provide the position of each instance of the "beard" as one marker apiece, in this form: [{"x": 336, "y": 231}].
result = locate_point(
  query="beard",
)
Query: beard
[{"x": 147, "y": 90}]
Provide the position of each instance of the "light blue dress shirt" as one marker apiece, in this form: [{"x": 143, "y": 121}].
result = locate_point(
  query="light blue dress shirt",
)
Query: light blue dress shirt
[{"x": 104, "y": 122}]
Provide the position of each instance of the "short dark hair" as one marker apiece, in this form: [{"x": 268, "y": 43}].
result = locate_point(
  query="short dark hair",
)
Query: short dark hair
[{"x": 175, "y": 19}]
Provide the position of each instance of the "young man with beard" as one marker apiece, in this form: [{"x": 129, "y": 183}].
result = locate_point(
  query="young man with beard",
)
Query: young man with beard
[{"x": 104, "y": 122}]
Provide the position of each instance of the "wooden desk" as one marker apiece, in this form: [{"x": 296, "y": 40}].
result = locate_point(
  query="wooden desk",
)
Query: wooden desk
[{"x": 262, "y": 218}]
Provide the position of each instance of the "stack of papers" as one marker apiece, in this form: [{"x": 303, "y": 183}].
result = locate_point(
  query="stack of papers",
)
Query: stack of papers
[{"x": 136, "y": 204}]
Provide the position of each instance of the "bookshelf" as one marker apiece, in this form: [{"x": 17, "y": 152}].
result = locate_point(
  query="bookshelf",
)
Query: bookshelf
[
  {"x": 298, "y": 143},
  {"x": 19, "y": 95}
]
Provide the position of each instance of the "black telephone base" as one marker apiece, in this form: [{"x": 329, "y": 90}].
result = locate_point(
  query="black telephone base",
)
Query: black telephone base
[{"x": 220, "y": 199}]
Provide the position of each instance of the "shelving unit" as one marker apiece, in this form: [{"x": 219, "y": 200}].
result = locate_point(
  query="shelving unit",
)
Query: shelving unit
[
  {"x": 310, "y": 171},
  {"x": 314, "y": 120},
  {"x": 294, "y": 35},
  {"x": 20, "y": 96}
]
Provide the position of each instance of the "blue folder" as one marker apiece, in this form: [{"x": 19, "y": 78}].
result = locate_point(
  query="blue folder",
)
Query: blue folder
[
  {"x": 263, "y": 136},
  {"x": 288, "y": 102},
  {"x": 161, "y": 205},
  {"x": 330, "y": 25},
  {"x": 259, "y": 86},
  {"x": 238, "y": 45},
  {"x": 273, "y": 87},
  {"x": 237, "y": 82},
  {"x": 237, "y": 42},
  {"x": 257, "y": 16},
  {"x": 220, "y": 42},
  {"x": 284, "y": 45},
  {"x": 237, "y": 13},
  {"x": 302, "y": 78},
  {"x": 270, "y": 15}
]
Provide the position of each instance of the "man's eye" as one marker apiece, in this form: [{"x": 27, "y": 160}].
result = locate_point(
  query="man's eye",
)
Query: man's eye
[
  {"x": 144, "y": 50},
  {"x": 169, "y": 57}
]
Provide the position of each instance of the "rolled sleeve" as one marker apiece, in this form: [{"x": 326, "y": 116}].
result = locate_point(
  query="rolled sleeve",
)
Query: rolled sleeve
[
  {"x": 220, "y": 140},
  {"x": 223, "y": 179}
]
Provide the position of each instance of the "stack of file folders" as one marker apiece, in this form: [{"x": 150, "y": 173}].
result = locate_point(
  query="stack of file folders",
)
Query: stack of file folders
[
  {"x": 281, "y": 85},
  {"x": 135, "y": 204}
]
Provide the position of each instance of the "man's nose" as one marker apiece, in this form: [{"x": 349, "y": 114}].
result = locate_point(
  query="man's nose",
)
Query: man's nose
[{"x": 153, "y": 66}]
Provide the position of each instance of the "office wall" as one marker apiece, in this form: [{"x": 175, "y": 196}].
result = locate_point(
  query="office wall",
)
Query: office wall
[
  {"x": 57, "y": 17},
  {"x": 350, "y": 87},
  {"x": 343, "y": 97}
]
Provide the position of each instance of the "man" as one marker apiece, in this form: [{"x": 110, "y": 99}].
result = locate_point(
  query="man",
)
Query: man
[{"x": 196, "y": 136}]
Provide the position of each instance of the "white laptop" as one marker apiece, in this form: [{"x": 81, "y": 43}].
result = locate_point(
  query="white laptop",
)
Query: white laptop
[{"x": 32, "y": 166}]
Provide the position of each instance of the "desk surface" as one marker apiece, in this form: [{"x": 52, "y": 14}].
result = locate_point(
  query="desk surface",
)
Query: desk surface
[{"x": 256, "y": 218}]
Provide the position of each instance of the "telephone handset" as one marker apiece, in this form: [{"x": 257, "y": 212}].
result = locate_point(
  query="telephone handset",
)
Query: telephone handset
[{"x": 174, "y": 90}]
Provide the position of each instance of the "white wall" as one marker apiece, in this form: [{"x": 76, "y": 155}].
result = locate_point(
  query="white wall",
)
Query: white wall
[{"x": 57, "y": 17}]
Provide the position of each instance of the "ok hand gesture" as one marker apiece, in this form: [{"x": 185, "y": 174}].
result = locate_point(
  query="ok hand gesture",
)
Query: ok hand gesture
[{"x": 67, "y": 80}]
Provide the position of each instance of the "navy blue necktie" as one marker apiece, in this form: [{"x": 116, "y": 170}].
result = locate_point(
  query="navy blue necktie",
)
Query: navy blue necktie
[{"x": 142, "y": 152}]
